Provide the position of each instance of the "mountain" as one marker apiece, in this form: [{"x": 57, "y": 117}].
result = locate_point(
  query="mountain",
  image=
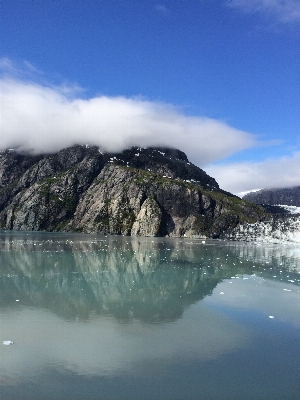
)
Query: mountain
[
  {"x": 140, "y": 191},
  {"x": 287, "y": 196}
]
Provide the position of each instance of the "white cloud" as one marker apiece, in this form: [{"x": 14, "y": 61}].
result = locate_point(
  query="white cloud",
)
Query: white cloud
[
  {"x": 44, "y": 118},
  {"x": 40, "y": 117},
  {"x": 284, "y": 11},
  {"x": 271, "y": 173},
  {"x": 161, "y": 8}
]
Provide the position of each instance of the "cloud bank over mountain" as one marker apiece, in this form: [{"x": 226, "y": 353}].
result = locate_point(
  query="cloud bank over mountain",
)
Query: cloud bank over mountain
[
  {"x": 268, "y": 174},
  {"x": 42, "y": 118}
]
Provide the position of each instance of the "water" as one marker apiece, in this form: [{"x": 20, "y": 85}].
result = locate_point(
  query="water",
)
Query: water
[{"x": 95, "y": 317}]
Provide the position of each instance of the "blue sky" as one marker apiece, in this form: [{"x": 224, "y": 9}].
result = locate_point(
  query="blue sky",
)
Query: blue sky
[{"x": 218, "y": 79}]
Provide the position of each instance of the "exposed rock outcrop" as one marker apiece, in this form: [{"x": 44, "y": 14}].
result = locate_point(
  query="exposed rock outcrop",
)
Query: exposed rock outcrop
[
  {"x": 149, "y": 192},
  {"x": 148, "y": 219}
]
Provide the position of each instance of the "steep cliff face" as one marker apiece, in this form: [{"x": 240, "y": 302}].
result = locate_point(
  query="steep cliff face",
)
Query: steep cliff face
[
  {"x": 288, "y": 196},
  {"x": 147, "y": 192}
]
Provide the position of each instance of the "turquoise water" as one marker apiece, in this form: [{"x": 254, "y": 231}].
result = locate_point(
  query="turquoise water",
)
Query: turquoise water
[{"x": 95, "y": 317}]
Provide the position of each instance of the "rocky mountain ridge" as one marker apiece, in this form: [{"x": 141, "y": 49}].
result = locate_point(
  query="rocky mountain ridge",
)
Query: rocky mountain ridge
[
  {"x": 288, "y": 196},
  {"x": 145, "y": 192}
]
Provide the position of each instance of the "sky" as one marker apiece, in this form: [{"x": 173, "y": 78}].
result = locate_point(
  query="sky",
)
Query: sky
[{"x": 218, "y": 79}]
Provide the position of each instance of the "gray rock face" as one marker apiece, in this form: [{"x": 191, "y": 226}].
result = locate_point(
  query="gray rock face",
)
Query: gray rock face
[
  {"x": 148, "y": 219},
  {"x": 147, "y": 192}
]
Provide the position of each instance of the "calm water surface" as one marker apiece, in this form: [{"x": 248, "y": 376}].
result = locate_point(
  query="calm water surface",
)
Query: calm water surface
[{"x": 95, "y": 317}]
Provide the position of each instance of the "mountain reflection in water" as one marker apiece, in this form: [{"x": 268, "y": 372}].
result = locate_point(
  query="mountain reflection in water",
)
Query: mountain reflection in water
[
  {"x": 150, "y": 280},
  {"x": 95, "y": 317}
]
